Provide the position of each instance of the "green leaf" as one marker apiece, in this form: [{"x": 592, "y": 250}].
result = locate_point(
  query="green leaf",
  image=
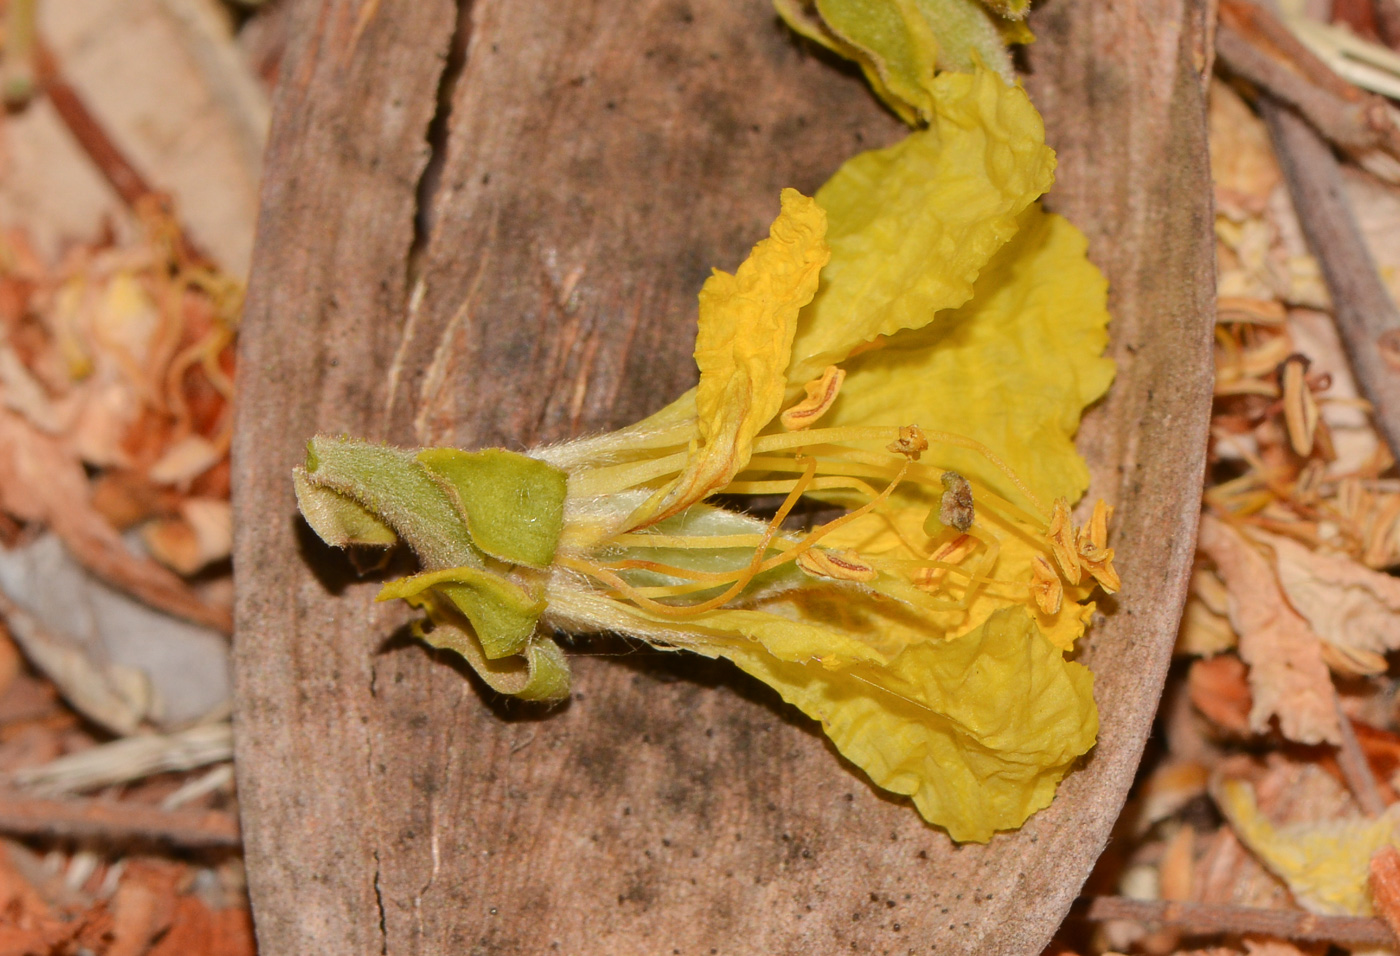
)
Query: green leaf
[{"x": 514, "y": 505}]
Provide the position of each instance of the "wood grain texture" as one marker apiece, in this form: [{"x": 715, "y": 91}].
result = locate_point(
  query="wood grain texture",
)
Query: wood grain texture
[{"x": 599, "y": 158}]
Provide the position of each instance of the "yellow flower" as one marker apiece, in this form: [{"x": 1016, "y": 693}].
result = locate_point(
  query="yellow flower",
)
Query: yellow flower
[{"x": 934, "y": 337}]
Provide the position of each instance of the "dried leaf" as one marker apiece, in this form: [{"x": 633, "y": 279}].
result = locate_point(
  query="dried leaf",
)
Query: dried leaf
[
  {"x": 143, "y": 906},
  {"x": 1325, "y": 863},
  {"x": 185, "y": 460},
  {"x": 41, "y": 481},
  {"x": 1205, "y": 625},
  {"x": 195, "y": 928},
  {"x": 1347, "y": 604},
  {"x": 1219, "y": 690},
  {"x": 1287, "y": 675},
  {"x": 201, "y": 535}
]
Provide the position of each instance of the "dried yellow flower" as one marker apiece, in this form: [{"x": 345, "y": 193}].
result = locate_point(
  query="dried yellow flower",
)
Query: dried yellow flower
[{"x": 933, "y": 653}]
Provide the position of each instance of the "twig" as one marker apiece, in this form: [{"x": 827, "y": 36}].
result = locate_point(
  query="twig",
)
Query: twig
[
  {"x": 1225, "y": 918},
  {"x": 109, "y": 159},
  {"x": 1252, "y": 44},
  {"x": 1357, "y": 769},
  {"x": 1367, "y": 320},
  {"x": 80, "y": 819},
  {"x": 1261, "y": 29},
  {"x": 131, "y": 758}
]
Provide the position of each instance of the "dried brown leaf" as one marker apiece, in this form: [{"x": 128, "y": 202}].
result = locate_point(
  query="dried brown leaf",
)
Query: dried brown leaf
[
  {"x": 1219, "y": 689},
  {"x": 198, "y": 929},
  {"x": 40, "y": 480},
  {"x": 1348, "y": 605},
  {"x": 1287, "y": 675},
  {"x": 1272, "y": 947},
  {"x": 1205, "y": 626},
  {"x": 144, "y": 905},
  {"x": 1178, "y": 865},
  {"x": 1241, "y": 160}
]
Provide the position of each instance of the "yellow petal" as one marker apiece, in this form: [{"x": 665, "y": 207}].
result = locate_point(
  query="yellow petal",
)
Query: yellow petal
[
  {"x": 978, "y": 730},
  {"x": 911, "y": 226},
  {"x": 821, "y": 392},
  {"x": 744, "y": 344},
  {"x": 1013, "y": 368}
]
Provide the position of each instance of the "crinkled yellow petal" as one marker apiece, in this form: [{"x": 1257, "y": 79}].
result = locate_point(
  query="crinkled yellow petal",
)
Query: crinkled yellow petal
[
  {"x": 744, "y": 345},
  {"x": 1325, "y": 864},
  {"x": 978, "y": 730},
  {"x": 911, "y": 227},
  {"x": 1014, "y": 368}
]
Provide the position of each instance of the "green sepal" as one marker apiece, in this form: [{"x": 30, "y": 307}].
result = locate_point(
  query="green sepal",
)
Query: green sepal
[
  {"x": 502, "y": 613},
  {"x": 899, "y": 44},
  {"x": 514, "y": 505},
  {"x": 393, "y": 490},
  {"x": 541, "y": 673},
  {"x": 1011, "y": 9},
  {"x": 340, "y": 521}
]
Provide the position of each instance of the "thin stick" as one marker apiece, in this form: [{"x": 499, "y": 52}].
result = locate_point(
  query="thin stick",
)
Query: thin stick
[
  {"x": 109, "y": 159},
  {"x": 1356, "y": 768},
  {"x": 1254, "y": 45},
  {"x": 1225, "y": 918},
  {"x": 114, "y": 822},
  {"x": 1366, "y": 318}
]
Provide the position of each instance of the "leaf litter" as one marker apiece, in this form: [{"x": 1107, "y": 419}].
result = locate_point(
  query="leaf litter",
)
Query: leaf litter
[
  {"x": 1264, "y": 817},
  {"x": 117, "y": 334}
]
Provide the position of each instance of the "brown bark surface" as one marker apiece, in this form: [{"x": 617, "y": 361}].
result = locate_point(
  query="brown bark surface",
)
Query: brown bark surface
[{"x": 540, "y": 281}]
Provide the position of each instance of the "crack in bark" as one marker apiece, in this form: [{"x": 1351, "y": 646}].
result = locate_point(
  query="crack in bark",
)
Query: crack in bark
[
  {"x": 379, "y": 902},
  {"x": 437, "y": 135}
]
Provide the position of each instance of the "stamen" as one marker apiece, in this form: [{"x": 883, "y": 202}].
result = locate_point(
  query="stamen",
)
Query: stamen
[
  {"x": 821, "y": 394},
  {"x": 1045, "y": 585},
  {"x": 843, "y": 435},
  {"x": 839, "y": 565}
]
